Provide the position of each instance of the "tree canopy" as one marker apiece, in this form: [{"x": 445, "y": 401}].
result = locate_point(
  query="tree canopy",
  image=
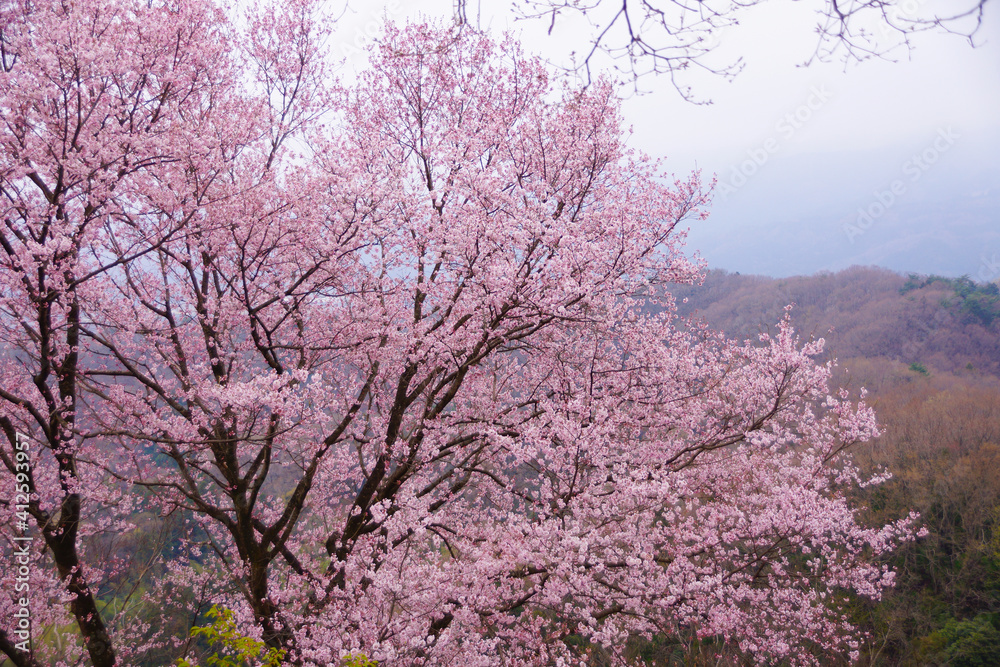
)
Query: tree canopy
[{"x": 387, "y": 370}]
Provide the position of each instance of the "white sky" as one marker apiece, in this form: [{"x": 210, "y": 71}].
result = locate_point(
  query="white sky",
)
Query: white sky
[
  {"x": 876, "y": 103},
  {"x": 889, "y": 107}
]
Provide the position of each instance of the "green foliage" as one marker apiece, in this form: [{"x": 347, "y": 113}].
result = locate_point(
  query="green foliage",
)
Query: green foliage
[
  {"x": 915, "y": 282},
  {"x": 980, "y": 301},
  {"x": 917, "y": 367},
  {"x": 231, "y": 649},
  {"x": 983, "y": 305},
  {"x": 971, "y": 643}
]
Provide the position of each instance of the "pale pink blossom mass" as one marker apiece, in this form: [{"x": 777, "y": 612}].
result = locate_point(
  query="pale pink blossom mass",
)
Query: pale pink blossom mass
[{"x": 397, "y": 360}]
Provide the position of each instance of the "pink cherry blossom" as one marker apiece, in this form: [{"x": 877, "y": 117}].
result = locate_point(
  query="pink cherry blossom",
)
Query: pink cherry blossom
[{"x": 396, "y": 362}]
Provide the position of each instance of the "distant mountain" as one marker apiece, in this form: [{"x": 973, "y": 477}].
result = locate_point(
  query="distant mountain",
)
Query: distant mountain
[
  {"x": 928, "y": 322},
  {"x": 908, "y": 207}
]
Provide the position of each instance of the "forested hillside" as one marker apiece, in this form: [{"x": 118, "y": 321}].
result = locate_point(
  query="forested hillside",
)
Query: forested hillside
[
  {"x": 947, "y": 324},
  {"x": 928, "y": 350}
]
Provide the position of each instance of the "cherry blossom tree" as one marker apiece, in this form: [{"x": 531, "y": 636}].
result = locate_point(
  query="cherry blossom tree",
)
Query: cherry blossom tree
[
  {"x": 396, "y": 362},
  {"x": 100, "y": 107}
]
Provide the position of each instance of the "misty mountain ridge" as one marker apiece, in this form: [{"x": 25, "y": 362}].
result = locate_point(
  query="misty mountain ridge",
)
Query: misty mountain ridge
[
  {"x": 937, "y": 323},
  {"x": 907, "y": 208}
]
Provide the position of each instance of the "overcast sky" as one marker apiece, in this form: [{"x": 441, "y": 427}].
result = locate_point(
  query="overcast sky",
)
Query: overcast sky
[{"x": 827, "y": 141}]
